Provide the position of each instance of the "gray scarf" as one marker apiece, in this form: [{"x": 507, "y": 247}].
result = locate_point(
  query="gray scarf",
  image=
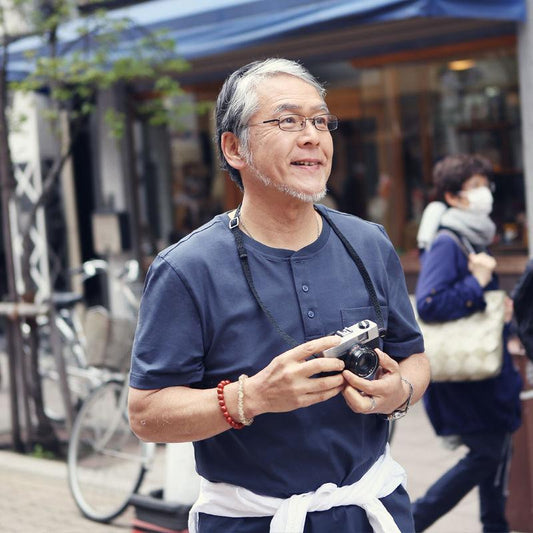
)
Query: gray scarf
[{"x": 478, "y": 229}]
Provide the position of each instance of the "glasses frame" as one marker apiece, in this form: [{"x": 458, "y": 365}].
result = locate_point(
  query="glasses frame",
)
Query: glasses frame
[
  {"x": 303, "y": 122},
  {"x": 491, "y": 186}
]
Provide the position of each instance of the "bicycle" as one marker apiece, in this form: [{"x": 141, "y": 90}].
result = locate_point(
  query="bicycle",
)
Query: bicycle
[
  {"x": 82, "y": 374},
  {"x": 70, "y": 332},
  {"x": 106, "y": 462}
]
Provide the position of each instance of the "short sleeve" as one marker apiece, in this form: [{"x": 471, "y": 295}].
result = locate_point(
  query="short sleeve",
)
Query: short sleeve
[
  {"x": 403, "y": 334},
  {"x": 168, "y": 348}
]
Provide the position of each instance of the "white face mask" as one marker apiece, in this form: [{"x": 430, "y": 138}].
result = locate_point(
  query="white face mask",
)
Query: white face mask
[{"x": 479, "y": 200}]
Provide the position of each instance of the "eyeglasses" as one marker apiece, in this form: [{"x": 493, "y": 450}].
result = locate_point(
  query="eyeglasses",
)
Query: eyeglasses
[
  {"x": 490, "y": 185},
  {"x": 324, "y": 122}
]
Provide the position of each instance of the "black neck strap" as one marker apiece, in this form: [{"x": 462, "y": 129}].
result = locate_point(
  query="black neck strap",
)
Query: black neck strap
[
  {"x": 243, "y": 257},
  {"x": 364, "y": 274}
]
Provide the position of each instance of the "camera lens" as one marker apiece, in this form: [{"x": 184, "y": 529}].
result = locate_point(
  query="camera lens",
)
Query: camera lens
[{"x": 362, "y": 361}]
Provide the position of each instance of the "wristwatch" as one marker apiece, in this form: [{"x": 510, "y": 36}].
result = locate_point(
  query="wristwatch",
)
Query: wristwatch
[{"x": 402, "y": 410}]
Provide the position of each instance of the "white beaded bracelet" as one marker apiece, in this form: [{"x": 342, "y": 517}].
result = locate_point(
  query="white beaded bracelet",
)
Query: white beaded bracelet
[{"x": 240, "y": 402}]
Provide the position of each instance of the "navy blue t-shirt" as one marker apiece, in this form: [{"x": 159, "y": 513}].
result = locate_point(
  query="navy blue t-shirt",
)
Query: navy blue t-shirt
[{"x": 199, "y": 324}]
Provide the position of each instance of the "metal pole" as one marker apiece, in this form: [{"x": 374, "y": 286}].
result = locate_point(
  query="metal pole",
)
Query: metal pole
[
  {"x": 13, "y": 333},
  {"x": 525, "y": 71},
  {"x": 61, "y": 369}
]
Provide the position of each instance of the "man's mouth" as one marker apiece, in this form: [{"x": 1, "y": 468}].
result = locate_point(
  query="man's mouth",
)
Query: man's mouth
[{"x": 305, "y": 163}]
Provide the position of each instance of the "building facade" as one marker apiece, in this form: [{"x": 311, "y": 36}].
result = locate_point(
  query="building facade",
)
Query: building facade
[
  {"x": 410, "y": 82},
  {"x": 407, "y": 91}
]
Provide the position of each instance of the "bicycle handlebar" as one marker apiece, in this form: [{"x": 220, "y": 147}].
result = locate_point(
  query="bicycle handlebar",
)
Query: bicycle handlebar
[
  {"x": 89, "y": 269},
  {"x": 92, "y": 267}
]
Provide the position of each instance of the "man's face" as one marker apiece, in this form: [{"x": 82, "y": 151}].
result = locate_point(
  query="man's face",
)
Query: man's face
[{"x": 297, "y": 163}]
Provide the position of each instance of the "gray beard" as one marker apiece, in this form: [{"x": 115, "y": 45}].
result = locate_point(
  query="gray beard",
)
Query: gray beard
[{"x": 265, "y": 180}]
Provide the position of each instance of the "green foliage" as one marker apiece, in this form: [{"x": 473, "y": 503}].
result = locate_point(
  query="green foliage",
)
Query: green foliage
[
  {"x": 115, "y": 122},
  {"x": 96, "y": 59},
  {"x": 41, "y": 453}
]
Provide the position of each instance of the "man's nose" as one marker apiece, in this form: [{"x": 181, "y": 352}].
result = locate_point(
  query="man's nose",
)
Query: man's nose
[{"x": 309, "y": 133}]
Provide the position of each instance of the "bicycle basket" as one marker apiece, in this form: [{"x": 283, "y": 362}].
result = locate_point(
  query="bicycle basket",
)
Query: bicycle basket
[{"x": 109, "y": 339}]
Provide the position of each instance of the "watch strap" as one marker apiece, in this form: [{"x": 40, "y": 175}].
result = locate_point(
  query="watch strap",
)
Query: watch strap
[{"x": 402, "y": 410}]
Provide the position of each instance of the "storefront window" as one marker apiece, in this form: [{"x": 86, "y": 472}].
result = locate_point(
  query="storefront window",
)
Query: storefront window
[
  {"x": 397, "y": 121},
  {"x": 179, "y": 184},
  {"x": 479, "y": 111}
]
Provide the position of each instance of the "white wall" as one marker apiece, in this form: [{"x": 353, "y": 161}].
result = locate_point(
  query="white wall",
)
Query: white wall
[
  {"x": 32, "y": 137},
  {"x": 110, "y": 164}
]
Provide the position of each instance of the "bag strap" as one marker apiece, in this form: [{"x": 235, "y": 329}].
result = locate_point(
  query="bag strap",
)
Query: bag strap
[
  {"x": 243, "y": 258},
  {"x": 463, "y": 243}
]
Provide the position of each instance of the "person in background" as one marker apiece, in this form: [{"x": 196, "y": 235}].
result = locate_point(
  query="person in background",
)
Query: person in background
[
  {"x": 233, "y": 316},
  {"x": 479, "y": 414},
  {"x": 522, "y": 296}
]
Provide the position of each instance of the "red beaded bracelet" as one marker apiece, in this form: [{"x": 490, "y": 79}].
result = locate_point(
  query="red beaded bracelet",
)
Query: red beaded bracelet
[{"x": 222, "y": 403}]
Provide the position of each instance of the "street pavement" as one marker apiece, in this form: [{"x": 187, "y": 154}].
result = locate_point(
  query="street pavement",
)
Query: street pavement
[{"x": 34, "y": 494}]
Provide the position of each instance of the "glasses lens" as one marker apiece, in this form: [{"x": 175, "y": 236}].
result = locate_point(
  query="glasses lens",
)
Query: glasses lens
[
  {"x": 291, "y": 122},
  {"x": 326, "y": 122},
  {"x": 297, "y": 122}
]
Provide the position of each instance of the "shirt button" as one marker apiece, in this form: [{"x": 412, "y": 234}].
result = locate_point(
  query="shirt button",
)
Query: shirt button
[
  {"x": 310, "y": 314},
  {"x": 469, "y": 303},
  {"x": 305, "y": 288}
]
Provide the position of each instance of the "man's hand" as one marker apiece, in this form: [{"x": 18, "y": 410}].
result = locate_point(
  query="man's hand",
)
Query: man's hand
[
  {"x": 287, "y": 383},
  {"x": 384, "y": 394}
]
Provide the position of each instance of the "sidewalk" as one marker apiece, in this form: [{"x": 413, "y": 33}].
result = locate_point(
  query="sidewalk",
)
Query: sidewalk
[
  {"x": 35, "y": 498},
  {"x": 34, "y": 494}
]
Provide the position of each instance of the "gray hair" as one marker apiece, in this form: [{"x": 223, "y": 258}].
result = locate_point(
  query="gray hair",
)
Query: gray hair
[{"x": 237, "y": 101}]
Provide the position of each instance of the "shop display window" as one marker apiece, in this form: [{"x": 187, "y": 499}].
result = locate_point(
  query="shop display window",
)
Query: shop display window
[{"x": 404, "y": 118}]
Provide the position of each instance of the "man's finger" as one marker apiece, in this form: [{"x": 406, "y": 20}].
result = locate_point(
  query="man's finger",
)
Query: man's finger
[
  {"x": 360, "y": 403},
  {"x": 385, "y": 361},
  {"x": 312, "y": 348}
]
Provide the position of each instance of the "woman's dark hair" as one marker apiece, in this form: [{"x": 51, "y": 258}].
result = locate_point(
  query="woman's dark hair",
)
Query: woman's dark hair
[{"x": 450, "y": 173}]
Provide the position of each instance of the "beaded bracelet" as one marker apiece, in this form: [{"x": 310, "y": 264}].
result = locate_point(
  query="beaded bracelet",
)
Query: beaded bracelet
[
  {"x": 240, "y": 402},
  {"x": 222, "y": 403}
]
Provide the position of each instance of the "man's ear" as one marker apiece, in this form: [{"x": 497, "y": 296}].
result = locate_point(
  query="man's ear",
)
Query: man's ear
[{"x": 230, "y": 145}]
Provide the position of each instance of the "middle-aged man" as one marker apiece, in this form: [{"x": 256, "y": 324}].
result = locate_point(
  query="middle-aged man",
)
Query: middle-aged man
[{"x": 235, "y": 316}]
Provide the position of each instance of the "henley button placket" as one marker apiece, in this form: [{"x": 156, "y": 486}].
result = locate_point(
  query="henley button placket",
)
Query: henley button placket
[{"x": 309, "y": 309}]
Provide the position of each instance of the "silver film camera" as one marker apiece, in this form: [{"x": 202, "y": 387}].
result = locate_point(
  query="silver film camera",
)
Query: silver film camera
[{"x": 360, "y": 359}]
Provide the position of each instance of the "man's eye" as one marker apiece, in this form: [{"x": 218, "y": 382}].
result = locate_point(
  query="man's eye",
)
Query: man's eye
[
  {"x": 288, "y": 120},
  {"x": 321, "y": 121}
]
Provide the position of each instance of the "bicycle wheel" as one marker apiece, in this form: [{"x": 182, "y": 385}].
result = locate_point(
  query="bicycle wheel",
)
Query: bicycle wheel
[{"x": 106, "y": 461}]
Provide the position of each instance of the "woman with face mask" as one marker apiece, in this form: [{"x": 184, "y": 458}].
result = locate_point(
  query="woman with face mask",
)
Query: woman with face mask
[{"x": 455, "y": 271}]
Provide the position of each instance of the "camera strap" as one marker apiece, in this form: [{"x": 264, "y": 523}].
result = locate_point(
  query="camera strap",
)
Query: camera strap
[
  {"x": 243, "y": 258},
  {"x": 363, "y": 271}
]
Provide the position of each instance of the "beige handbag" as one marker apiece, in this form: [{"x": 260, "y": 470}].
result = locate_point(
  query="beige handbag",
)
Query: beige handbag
[{"x": 469, "y": 348}]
